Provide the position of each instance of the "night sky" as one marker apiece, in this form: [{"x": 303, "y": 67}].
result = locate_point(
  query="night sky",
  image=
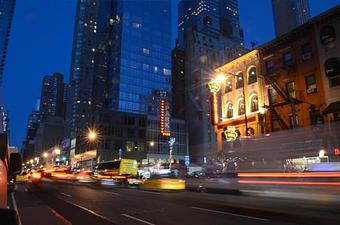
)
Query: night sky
[{"x": 41, "y": 41}]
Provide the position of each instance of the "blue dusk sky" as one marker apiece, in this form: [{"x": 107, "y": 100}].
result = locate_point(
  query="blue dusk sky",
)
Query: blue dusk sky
[{"x": 41, "y": 40}]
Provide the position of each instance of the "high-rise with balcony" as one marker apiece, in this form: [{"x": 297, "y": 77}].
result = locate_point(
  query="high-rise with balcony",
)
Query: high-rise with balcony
[
  {"x": 289, "y": 14},
  {"x": 6, "y": 15}
]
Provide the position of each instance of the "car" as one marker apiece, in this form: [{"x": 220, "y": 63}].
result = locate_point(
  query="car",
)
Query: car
[
  {"x": 85, "y": 177},
  {"x": 213, "y": 182},
  {"x": 22, "y": 177},
  {"x": 35, "y": 177},
  {"x": 163, "y": 182}
]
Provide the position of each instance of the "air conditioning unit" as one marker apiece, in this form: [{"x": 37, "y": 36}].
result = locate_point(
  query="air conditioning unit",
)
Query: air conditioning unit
[
  {"x": 307, "y": 56},
  {"x": 311, "y": 90}
]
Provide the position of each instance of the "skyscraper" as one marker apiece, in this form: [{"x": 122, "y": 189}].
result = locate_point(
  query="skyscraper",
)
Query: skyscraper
[
  {"x": 52, "y": 96},
  {"x": 213, "y": 17},
  {"x": 6, "y": 15},
  {"x": 120, "y": 56},
  {"x": 141, "y": 54},
  {"x": 289, "y": 14},
  {"x": 209, "y": 33}
]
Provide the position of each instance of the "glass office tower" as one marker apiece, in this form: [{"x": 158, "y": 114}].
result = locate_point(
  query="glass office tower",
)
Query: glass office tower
[{"x": 141, "y": 53}]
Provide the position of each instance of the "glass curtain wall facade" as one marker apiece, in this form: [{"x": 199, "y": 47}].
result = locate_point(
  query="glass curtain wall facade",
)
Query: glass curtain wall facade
[{"x": 141, "y": 53}]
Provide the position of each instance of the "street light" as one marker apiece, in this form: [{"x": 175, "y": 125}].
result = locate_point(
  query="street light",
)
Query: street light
[
  {"x": 57, "y": 151},
  {"x": 45, "y": 155},
  {"x": 152, "y": 143},
  {"x": 92, "y": 135}
]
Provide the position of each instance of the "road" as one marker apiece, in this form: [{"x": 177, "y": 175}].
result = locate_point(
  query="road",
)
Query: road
[{"x": 65, "y": 204}]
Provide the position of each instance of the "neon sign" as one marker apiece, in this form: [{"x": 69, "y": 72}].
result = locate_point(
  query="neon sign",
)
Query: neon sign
[
  {"x": 165, "y": 118},
  {"x": 214, "y": 108},
  {"x": 214, "y": 86},
  {"x": 231, "y": 134}
]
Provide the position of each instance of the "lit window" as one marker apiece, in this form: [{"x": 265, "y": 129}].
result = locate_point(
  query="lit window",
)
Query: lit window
[
  {"x": 166, "y": 72},
  {"x": 239, "y": 80},
  {"x": 146, "y": 51},
  {"x": 241, "y": 107},
  {"x": 254, "y": 101},
  {"x": 229, "y": 110},
  {"x": 136, "y": 25},
  {"x": 252, "y": 78},
  {"x": 291, "y": 89},
  {"x": 155, "y": 69}
]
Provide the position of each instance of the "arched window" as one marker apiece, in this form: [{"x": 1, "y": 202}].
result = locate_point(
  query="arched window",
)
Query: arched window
[
  {"x": 252, "y": 77},
  {"x": 228, "y": 86},
  {"x": 254, "y": 103},
  {"x": 241, "y": 107},
  {"x": 239, "y": 80},
  {"x": 229, "y": 109}
]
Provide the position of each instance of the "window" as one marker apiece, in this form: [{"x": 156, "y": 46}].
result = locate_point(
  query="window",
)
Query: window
[
  {"x": 146, "y": 67},
  {"x": 137, "y": 25},
  {"x": 146, "y": 51},
  {"x": 241, "y": 107},
  {"x": 230, "y": 110},
  {"x": 306, "y": 51},
  {"x": 291, "y": 89},
  {"x": 207, "y": 20},
  {"x": 228, "y": 86},
  {"x": 239, "y": 81},
  {"x": 166, "y": 72},
  {"x": 334, "y": 81},
  {"x": 270, "y": 67},
  {"x": 288, "y": 59},
  {"x": 310, "y": 84},
  {"x": 129, "y": 146},
  {"x": 252, "y": 78},
  {"x": 254, "y": 103},
  {"x": 291, "y": 119},
  {"x": 130, "y": 133}
]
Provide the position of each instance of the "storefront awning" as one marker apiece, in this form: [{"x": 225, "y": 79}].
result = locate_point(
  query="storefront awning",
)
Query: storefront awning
[
  {"x": 332, "y": 67},
  {"x": 332, "y": 108}
]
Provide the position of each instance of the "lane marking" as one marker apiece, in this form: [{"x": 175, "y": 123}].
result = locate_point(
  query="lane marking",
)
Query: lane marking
[
  {"x": 16, "y": 207},
  {"x": 66, "y": 194},
  {"x": 90, "y": 211},
  {"x": 58, "y": 215},
  {"x": 113, "y": 193},
  {"x": 137, "y": 219},
  {"x": 231, "y": 214}
]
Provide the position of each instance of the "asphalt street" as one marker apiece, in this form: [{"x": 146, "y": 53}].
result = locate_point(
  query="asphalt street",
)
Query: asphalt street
[{"x": 65, "y": 204}]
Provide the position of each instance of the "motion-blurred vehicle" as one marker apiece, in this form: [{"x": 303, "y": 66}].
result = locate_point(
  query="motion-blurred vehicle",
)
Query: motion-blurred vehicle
[
  {"x": 115, "y": 172},
  {"x": 10, "y": 166},
  {"x": 163, "y": 182},
  {"x": 85, "y": 177},
  {"x": 22, "y": 177},
  {"x": 135, "y": 180},
  {"x": 212, "y": 182},
  {"x": 35, "y": 176}
]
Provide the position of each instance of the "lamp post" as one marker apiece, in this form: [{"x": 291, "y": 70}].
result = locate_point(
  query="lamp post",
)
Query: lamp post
[
  {"x": 92, "y": 137},
  {"x": 171, "y": 142}
]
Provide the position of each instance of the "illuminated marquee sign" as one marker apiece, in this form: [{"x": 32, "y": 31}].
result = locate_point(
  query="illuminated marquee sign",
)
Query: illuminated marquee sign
[
  {"x": 231, "y": 134},
  {"x": 213, "y": 86},
  {"x": 214, "y": 108},
  {"x": 165, "y": 118}
]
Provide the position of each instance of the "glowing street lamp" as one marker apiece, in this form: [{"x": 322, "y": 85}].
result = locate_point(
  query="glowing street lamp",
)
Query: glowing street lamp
[
  {"x": 321, "y": 153},
  {"x": 57, "y": 151},
  {"x": 152, "y": 143},
  {"x": 92, "y": 135},
  {"x": 45, "y": 155},
  {"x": 220, "y": 78},
  {"x": 31, "y": 161}
]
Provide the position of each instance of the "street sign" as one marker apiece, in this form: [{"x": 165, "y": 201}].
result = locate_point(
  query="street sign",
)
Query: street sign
[{"x": 187, "y": 160}]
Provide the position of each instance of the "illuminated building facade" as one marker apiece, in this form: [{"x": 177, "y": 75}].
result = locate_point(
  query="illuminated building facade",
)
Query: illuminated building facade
[{"x": 243, "y": 98}]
